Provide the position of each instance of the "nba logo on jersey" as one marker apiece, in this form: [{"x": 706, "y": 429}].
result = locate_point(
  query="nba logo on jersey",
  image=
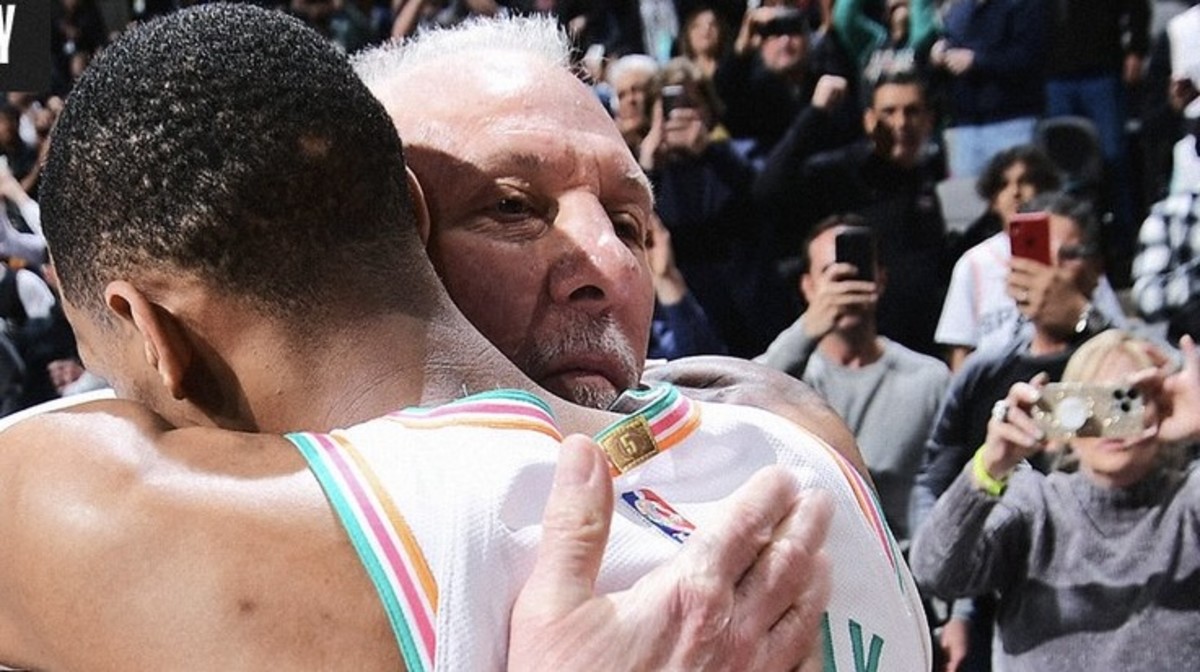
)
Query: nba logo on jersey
[{"x": 656, "y": 511}]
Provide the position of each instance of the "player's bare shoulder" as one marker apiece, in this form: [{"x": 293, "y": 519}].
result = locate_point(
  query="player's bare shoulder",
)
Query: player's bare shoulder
[
  {"x": 70, "y": 474},
  {"x": 114, "y": 465},
  {"x": 116, "y": 522},
  {"x": 71, "y": 445}
]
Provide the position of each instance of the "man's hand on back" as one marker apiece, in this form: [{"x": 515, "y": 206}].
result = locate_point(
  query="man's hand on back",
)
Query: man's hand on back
[{"x": 746, "y": 593}]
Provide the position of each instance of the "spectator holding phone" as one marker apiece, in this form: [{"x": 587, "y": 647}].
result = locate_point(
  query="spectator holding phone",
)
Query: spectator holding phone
[
  {"x": 1051, "y": 300},
  {"x": 702, "y": 188},
  {"x": 889, "y": 179},
  {"x": 684, "y": 116},
  {"x": 887, "y": 394},
  {"x": 993, "y": 295},
  {"x": 1096, "y": 569},
  {"x": 770, "y": 76}
]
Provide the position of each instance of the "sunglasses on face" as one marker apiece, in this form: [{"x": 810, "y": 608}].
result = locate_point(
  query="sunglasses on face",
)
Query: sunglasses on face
[{"x": 1075, "y": 252}]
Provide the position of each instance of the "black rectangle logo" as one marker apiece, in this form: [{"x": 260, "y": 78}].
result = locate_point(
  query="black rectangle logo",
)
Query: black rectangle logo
[{"x": 24, "y": 45}]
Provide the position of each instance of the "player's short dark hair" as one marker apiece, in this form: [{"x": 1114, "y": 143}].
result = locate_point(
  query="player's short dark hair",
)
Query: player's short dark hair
[{"x": 233, "y": 144}]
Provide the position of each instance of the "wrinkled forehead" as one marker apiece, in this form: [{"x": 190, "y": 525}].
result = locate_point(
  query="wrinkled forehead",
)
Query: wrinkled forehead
[
  {"x": 472, "y": 87},
  {"x": 471, "y": 106}
]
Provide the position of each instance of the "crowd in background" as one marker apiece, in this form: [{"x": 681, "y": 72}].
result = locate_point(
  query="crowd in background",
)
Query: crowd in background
[{"x": 929, "y": 123}]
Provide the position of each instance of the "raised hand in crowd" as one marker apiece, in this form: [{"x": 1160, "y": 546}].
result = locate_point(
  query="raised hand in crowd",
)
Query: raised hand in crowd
[
  {"x": 839, "y": 295},
  {"x": 683, "y": 132},
  {"x": 1181, "y": 398},
  {"x": 1176, "y": 392},
  {"x": 829, "y": 92},
  {"x": 1012, "y": 435},
  {"x": 957, "y": 60},
  {"x": 955, "y": 641},
  {"x": 669, "y": 284}
]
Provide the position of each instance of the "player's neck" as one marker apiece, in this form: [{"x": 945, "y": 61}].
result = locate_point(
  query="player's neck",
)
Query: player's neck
[
  {"x": 331, "y": 380},
  {"x": 380, "y": 363}
]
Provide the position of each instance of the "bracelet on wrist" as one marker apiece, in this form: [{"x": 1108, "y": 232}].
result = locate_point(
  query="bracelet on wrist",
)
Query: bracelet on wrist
[{"x": 985, "y": 481}]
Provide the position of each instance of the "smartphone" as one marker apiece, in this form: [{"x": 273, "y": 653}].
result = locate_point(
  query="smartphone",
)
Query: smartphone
[
  {"x": 1029, "y": 233},
  {"x": 1067, "y": 410},
  {"x": 856, "y": 245},
  {"x": 674, "y": 96}
]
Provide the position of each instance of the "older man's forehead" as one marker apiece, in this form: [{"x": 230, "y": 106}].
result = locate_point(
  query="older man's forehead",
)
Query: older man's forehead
[
  {"x": 531, "y": 96},
  {"x": 636, "y": 179},
  {"x": 616, "y": 168}
]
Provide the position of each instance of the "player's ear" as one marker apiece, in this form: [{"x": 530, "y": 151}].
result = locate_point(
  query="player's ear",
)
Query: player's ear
[
  {"x": 420, "y": 207},
  {"x": 167, "y": 349}
]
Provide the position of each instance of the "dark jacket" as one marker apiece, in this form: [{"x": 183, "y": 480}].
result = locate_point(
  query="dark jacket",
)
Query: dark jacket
[
  {"x": 1006, "y": 77},
  {"x": 900, "y": 204},
  {"x": 1088, "y": 37}
]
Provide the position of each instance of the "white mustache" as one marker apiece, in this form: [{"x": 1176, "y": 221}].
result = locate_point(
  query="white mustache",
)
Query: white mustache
[{"x": 589, "y": 335}]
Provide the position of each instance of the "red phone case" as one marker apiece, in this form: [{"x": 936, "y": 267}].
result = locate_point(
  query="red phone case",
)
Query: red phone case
[{"x": 1029, "y": 233}]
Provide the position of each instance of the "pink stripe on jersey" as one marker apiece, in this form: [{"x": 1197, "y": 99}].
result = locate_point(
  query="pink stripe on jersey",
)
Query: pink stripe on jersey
[{"x": 419, "y": 604}]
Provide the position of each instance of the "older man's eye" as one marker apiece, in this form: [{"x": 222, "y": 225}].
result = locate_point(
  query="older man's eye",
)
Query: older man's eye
[
  {"x": 630, "y": 230},
  {"x": 513, "y": 207}
]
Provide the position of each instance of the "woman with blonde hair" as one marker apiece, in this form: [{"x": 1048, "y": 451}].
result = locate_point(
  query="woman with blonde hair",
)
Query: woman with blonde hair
[{"x": 1098, "y": 568}]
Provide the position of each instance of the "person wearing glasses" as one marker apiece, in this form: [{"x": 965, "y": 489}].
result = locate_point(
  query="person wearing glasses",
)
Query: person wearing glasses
[{"x": 992, "y": 297}]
